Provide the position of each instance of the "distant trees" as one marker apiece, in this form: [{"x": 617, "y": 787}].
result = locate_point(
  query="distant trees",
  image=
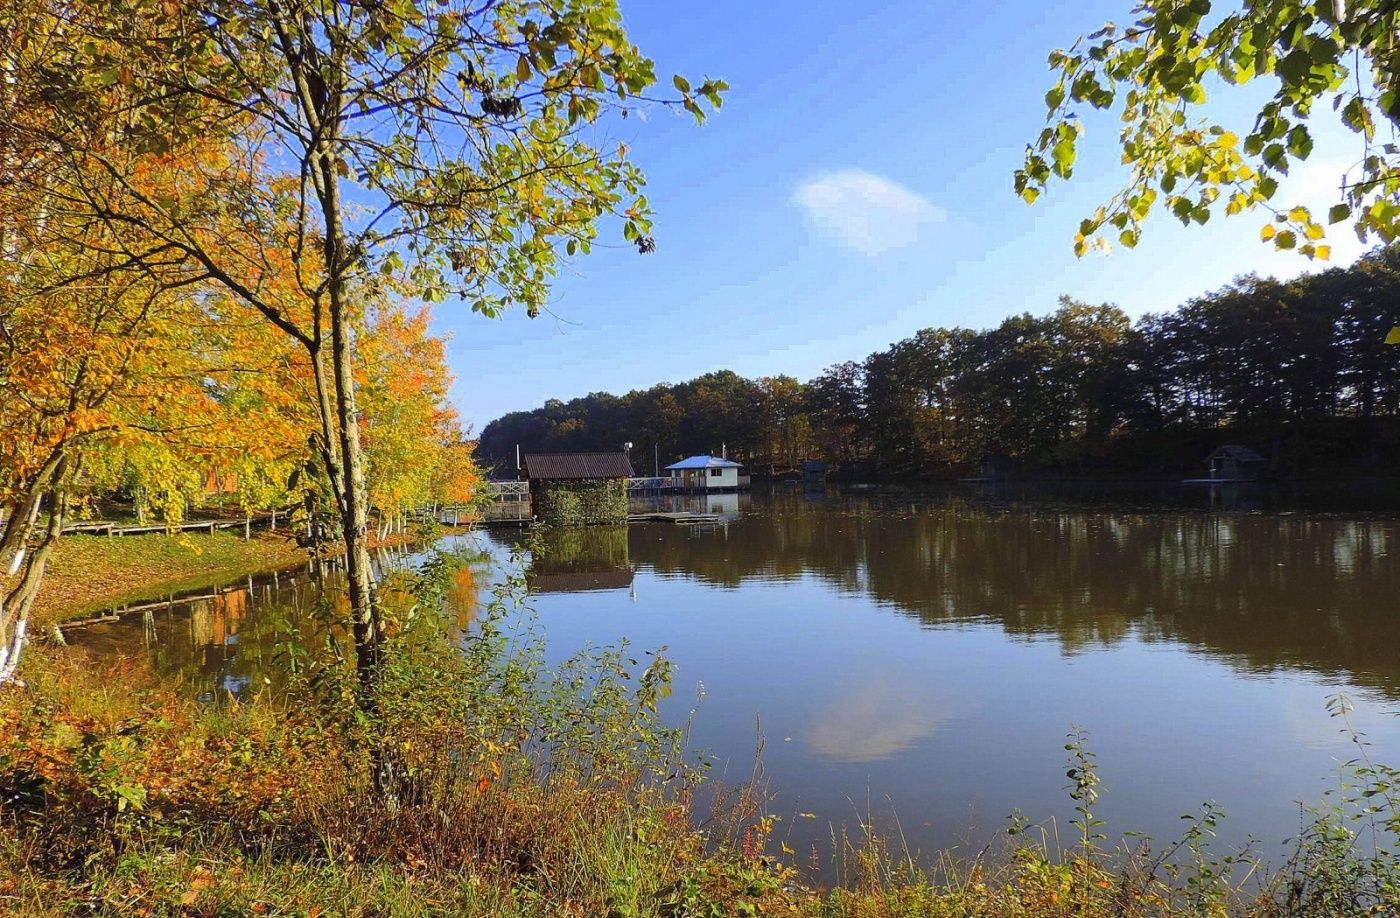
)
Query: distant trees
[{"x": 1081, "y": 387}]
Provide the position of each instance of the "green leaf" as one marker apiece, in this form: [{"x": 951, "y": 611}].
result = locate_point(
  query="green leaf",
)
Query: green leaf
[
  {"x": 1063, "y": 155},
  {"x": 1338, "y": 212},
  {"x": 1300, "y": 142},
  {"x": 1393, "y": 336},
  {"x": 681, "y": 83},
  {"x": 522, "y": 68}
]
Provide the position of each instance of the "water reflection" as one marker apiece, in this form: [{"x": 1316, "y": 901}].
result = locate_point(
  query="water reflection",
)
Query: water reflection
[
  {"x": 873, "y": 719},
  {"x": 1266, "y": 591},
  {"x": 931, "y": 648},
  {"x": 580, "y": 560}
]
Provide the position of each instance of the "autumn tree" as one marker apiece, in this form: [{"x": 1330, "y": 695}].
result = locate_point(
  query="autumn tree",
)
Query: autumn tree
[
  {"x": 445, "y": 146},
  {"x": 85, "y": 335},
  {"x": 411, "y": 433}
]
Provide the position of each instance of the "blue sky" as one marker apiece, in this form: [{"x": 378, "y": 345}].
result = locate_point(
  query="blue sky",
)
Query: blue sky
[{"x": 855, "y": 188}]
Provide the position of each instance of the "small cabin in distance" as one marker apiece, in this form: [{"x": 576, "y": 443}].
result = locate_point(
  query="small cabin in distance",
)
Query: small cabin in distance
[
  {"x": 1233, "y": 462},
  {"x": 707, "y": 473}
]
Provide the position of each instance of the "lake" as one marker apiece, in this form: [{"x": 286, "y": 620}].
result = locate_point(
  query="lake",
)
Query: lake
[{"x": 916, "y": 657}]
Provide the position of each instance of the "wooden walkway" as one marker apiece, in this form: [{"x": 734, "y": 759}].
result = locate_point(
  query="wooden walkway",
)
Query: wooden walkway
[{"x": 211, "y": 526}]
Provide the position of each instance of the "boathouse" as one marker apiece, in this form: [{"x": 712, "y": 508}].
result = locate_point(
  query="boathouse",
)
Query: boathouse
[
  {"x": 1236, "y": 463},
  {"x": 707, "y": 473},
  {"x": 578, "y": 489},
  {"x": 996, "y": 467}
]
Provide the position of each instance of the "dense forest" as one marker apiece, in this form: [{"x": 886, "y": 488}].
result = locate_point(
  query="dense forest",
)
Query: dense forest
[{"x": 1296, "y": 369}]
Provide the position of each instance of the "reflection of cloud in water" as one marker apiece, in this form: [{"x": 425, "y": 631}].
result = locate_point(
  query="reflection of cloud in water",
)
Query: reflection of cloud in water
[{"x": 875, "y": 721}]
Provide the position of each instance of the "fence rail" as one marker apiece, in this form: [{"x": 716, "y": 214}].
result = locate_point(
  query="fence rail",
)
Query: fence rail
[
  {"x": 101, "y": 527},
  {"x": 650, "y": 484}
]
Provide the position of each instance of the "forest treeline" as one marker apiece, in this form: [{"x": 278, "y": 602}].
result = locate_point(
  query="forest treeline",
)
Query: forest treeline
[{"x": 1297, "y": 369}]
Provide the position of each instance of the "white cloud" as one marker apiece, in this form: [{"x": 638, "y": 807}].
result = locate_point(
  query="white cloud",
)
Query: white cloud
[{"x": 864, "y": 212}]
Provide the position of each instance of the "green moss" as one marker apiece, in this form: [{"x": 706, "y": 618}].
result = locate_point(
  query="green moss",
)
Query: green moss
[{"x": 581, "y": 502}]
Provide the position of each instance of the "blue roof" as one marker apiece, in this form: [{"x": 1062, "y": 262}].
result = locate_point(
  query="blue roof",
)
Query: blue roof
[{"x": 704, "y": 462}]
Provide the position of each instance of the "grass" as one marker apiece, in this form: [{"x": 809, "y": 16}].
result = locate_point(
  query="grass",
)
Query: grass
[{"x": 92, "y": 572}]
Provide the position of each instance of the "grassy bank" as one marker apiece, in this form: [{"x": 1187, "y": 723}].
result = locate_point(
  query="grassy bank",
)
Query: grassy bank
[
  {"x": 487, "y": 784},
  {"x": 90, "y": 572}
]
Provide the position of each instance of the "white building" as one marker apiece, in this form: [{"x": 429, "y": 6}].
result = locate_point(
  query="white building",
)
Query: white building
[{"x": 707, "y": 473}]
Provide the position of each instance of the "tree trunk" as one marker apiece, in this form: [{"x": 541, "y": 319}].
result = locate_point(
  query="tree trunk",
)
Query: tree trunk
[
  {"x": 15, "y": 604},
  {"x": 366, "y": 623}
]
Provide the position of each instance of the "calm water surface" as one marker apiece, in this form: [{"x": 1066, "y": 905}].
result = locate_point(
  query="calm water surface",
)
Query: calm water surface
[{"x": 922, "y": 655}]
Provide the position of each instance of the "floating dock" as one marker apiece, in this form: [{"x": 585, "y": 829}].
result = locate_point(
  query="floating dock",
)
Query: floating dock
[{"x": 680, "y": 518}]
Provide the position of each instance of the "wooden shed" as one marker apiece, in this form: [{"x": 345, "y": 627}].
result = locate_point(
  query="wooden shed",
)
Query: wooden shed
[
  {"x": 1233, "y": 462},
  {"x": 996, "y": 467},
  {"x": 576, "y": 489}
]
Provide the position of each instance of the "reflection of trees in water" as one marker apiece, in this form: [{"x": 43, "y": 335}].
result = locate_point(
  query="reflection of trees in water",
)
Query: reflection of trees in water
[
  {"x": 231, "y": 641},
  {"x": 1268, "y": 590},
  {"x": 581, "y": 548},
  {"x": 235, "y": 639},
  {"x": 575, "y": 559}
]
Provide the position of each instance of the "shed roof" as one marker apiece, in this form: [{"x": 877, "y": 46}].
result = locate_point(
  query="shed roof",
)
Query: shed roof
[
  {"x": 1238, "y": 453},
  {"x": 704, "y": 462},
  {"x": 577, "y": 465}
]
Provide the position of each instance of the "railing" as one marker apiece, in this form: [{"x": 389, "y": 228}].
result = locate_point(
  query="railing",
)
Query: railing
[
  {"x": 500, "y": 489},
  {"x": 101, "y": 527},
  {"x": 650, "y": 484}
]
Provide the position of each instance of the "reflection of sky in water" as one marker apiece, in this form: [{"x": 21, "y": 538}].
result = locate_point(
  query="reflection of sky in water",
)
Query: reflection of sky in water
[
  {"x": 872, "y": 718},
  {"x": 926, "y": 656}
]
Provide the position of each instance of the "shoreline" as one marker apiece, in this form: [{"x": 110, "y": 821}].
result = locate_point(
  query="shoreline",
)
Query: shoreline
[{"x": 89, "y": 573}]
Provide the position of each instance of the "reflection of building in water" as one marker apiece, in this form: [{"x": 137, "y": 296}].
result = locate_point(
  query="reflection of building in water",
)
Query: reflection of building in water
[
  {"x": 575, "y": 560},
  {"x": 722, "y": 504},
  {"x": 214, "y": 620},
  {"x": 581, "y": 581},
  {"x": 725, "y": 504}
]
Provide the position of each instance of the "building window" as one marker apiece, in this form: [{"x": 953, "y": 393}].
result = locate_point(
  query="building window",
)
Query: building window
[{"x": 716, "y": 473}]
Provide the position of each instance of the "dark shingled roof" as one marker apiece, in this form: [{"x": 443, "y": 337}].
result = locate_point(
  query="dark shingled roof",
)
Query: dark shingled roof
[
  {"x": 1238, "y": 453},
  {"x": 577, "y": 465}
]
